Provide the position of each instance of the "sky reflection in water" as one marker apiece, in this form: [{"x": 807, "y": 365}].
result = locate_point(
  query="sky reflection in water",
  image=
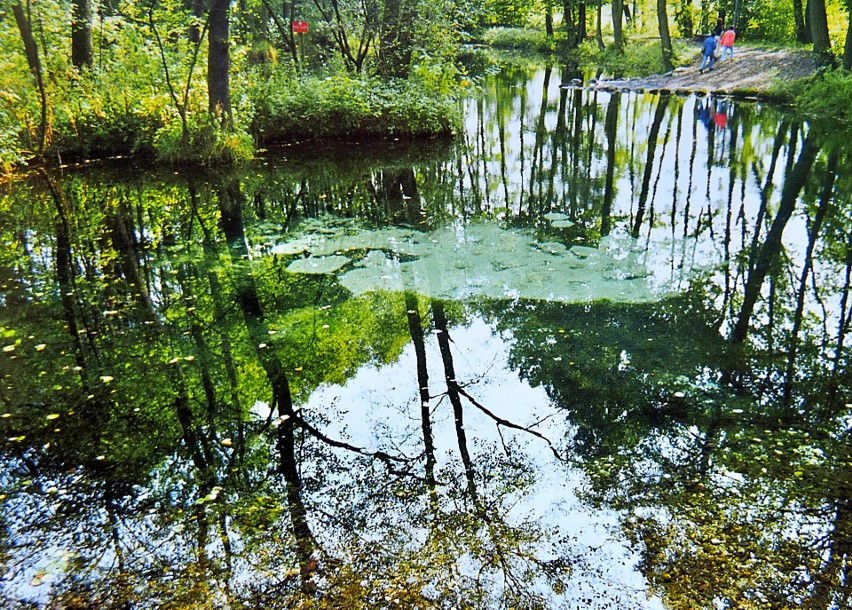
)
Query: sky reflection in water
[{"x": 592, "y": 356}]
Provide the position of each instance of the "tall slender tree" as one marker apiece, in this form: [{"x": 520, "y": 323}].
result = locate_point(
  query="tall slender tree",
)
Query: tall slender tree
[
  {"x": 396, "y": 38},
  {"x": 665, "y": 37},
  {"x": 24, "y": 22},
  {"x": 219, "y": 60},
  {"x": 847, "y": 50},
  {"x": 618, "y": 35},
  {"x": 819, "y": 30},
  {"x": 82, "y": 49},
  {"x": 802, "y": 33}
]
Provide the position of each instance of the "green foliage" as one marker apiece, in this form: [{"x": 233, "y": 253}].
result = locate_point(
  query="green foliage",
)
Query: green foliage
[
  {"x": 637, "y": 59},
  {"x": 341, "y": 106},
  {"x": 204, "y": 141},
  {"x": 824, "y": 96},
  {"x": 518, "y": 38},
  {"x": 506, "y": 12}
]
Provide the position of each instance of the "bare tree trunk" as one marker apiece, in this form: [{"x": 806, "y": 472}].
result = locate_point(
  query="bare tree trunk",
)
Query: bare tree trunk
[
  {"x": 665, "y": 38},
  {"x": 23, "y": 20},
  {"x": 219, "y": 61},
  {"x": 396, "y": 37},
  {"x": 82, "y": 50},
  {"x": 599, "y": 27},
  {"x": 548, "y": 18},
  {"x": 802, "y": 34},
  {"x": 847, "y": 50},
  {"x": 617, "y": 11},
  {"x": 819, "y": 30}
]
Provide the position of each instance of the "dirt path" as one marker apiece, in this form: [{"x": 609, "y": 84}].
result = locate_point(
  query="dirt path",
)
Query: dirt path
[{"x": 751, "y": 72}]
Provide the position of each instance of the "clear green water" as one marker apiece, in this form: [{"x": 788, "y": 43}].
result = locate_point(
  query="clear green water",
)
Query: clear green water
[{"x": 592, "y": 355}]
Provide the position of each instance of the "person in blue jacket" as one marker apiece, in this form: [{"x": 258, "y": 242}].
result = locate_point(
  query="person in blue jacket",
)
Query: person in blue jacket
[{"x": 709, "y": 52}]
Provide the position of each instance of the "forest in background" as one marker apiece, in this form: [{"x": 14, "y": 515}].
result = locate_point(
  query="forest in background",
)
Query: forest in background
[{"x": 210, "y": 81}]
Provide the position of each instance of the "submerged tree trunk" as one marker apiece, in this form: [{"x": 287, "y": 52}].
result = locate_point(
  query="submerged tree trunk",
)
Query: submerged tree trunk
[
  {"x": 82, "y": 50},
  {"x": 793, "y": 184},
  {"x": 610, "y": 125},
  {"x": 440, "y": 320},
  {"x": 659, "y": 113},
  {"x": 824, "y": 202},
  {"x": 248, "y": 300},
  {"x": 415, "y": 328}
]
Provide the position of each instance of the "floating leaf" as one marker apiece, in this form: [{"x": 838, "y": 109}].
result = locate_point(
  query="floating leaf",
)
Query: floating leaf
[
  {"x": 53, "y": 416},
  {"x": 227, "y": 442},
  {"x": 39, "y": 578},
  {"x": 40, "y": 347},
  {"x": 106, "y": 378},
  {"x": 9, "y": 348}
]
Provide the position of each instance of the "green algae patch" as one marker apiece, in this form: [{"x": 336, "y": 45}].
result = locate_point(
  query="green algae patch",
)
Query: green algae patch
[{"x": 482, "y": 260}]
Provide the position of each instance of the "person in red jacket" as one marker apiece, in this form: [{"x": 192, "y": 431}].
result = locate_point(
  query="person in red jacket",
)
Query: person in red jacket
[{"x": 727, "y": 43}]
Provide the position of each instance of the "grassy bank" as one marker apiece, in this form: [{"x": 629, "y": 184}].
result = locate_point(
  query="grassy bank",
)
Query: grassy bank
[
  {"x": 823, "y": 97},
  {"x": 272, "y": 109}
]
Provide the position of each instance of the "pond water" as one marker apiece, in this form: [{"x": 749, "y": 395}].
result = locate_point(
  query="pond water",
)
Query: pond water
[{"x": 593, "y": 354}]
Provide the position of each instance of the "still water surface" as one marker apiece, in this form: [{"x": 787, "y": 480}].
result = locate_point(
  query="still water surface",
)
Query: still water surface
[{"x": 591, "y": 355}]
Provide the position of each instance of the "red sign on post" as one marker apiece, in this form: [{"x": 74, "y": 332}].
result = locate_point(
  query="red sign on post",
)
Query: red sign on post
[{"x": 300, "y": 27}]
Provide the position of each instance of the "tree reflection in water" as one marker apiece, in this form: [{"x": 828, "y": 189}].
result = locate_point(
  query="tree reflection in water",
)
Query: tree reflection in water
[{"x": 187, "y": 423}]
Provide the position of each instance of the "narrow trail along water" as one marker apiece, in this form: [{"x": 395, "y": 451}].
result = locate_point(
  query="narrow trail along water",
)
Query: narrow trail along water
[{"x": 752, "y": 71}]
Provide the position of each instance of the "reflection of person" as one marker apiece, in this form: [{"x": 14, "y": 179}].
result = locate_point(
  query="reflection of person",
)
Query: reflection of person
[
  {"x": 708, "y": 51},
  {"x": 727, "y": 43},
  {"x": 721, "y": 117},
  {"x": 704, "y": 114}
]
